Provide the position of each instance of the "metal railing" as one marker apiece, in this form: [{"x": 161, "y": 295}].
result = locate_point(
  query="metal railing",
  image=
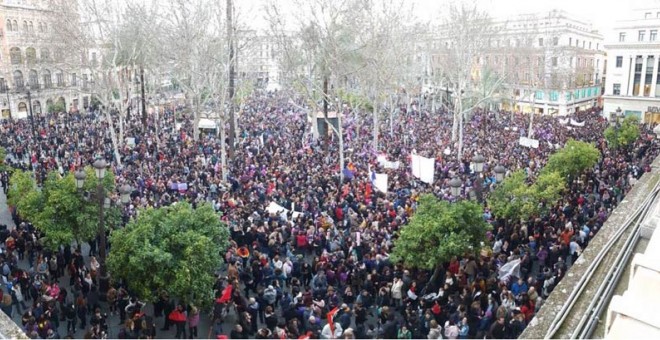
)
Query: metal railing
[{"x": 590, "y": 318}]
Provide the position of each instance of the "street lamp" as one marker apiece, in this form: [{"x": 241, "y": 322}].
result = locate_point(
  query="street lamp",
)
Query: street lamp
[
  {"x": 8, "y": 101},
  {"x": 29, "y": 97},
  {"x": 104, "y": 203},
  {"x": 478, "y": 164},
  {"x": 455, "y": 185},
  {"x": 499, "y": 173}
]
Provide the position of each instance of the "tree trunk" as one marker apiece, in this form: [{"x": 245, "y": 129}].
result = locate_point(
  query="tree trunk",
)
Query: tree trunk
[
  {"x": 230, "y": 41},
  {"x": 340, "y": 135},
  {"x": 223, "y": 150},
  {"x": 325, "y": 112},
  {"x": 196, "y": 117},
  {"x": 530, "y": 130},
  {"x": 436, "y": 274},
  {"x": 460, "y": 136},
  {"x": 113, "y": 137},
  {"x": 375, "y": 122},
  {"x": 315, "y": 126}
]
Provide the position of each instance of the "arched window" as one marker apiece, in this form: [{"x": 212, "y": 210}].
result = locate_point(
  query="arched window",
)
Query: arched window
[
  {"x": 14, "y": 26},
  {"x": 33, "y": 79},
  {"x": 15, "y": 56},
  {"x": 31, "y": 27},
  {"x": 60, "y": 78},
  {"x": 41, "y": 28},
  {"x": 48, "y": 82},
  {"x": 36, "y": 107},
  {"x": 18, "y": 79},
  {"x": 45, "y": 55},
  {"x": 31, "y": 55},
  {"x": 25, "y": 26},
  {"x": 22, "y": 107},
  {"x": 9, "y": 28}
]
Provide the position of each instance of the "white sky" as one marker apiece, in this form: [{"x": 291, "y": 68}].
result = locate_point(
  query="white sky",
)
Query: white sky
[{"x": 601, "y": 13}]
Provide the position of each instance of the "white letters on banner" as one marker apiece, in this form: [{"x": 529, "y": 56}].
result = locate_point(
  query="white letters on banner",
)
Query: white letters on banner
[
  {"x": 382, "y": 160},
  {"x": 274, "y": 208},
  {"x": 576, "y": 123},
  {"x": 528, "y": 142}
]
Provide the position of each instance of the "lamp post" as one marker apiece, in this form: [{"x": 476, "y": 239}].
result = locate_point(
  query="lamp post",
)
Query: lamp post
[
  {"x": 478, "y": 164},
  {"x": 455, "y": 185},
  {"x": 29, "y": 98},
  {"x": 104, "y": 203},
  {"x": 499, "y": 173},
  {"x": 8, "y": 101}
]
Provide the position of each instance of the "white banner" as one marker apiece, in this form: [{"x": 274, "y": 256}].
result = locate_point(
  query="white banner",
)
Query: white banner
[
  {"x": 380, "y": 182},
  {"x": 563, "y": 121},
  {"x": 576, "y": 123},
  {"x": 508, "y": 270},
  {"x": 416, "y": 166},
  {"x": 382, "y": 160},
  {"x": 528, "y": 142},
  {"x": 274, "y": 208},
  {"x": 427, "y": 166}
]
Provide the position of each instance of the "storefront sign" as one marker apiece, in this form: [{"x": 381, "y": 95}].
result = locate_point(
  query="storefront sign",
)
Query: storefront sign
[{"x": 653, "y": 109}]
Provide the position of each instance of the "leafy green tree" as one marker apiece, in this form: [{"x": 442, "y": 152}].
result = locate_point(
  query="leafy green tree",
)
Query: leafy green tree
[
  {"x": 176, "y": 248},
  {"x": 56, "y": 107},
  {"x": 573, "y": 159},
  {"x": 438, "y": 231},
  {"x": 58, "y": 209},
  {"x": 3, "y": 156},
  {"x": 624, "y": 135},
  {"x": 516, "y": 198}
]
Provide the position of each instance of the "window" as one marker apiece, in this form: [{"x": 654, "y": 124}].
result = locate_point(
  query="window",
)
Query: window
[
  {"x": 18, "y": 79},
  {"x": 25, "y": 26},
  {"x": 647, "y": 15},
  {"x": 590, "y": 45},
  {"x": 554, "y": 61},
  {"x": 31, "y": 55},
  {"x": 640, "y": 36},
  {"x": 15, "y": 25},
  {"x": 9, "y": 28},
  {"x": 570, "y": 41},
  {"x": 15, "y": 56},
  {"x": 555, "y": 41},
  {"x": 540, "y": 41},
  {"x": 3, "y": 85},
  {"x": 33, "y": 79},
  {"x": 41, "y": 28},
  {"x": 597, "y": 46},
  {"x": 638, "y": 75},
  {"x": 45, "y": 55},
  {"x": 48, "y": 82},
  {"x": 31, "y": 27},
  {"x": 74, "y": 80},
  {"x": 622, "y": 37},
  {"x": 577, "y": 42},
  {"x": 60, "y": 79},
  {"x": 648, "y": 77},
  {"x": 653, "y": 35},
  {"x": 94, "y": 59}
]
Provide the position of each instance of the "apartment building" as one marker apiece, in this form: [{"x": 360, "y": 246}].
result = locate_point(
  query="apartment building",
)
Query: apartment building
[{"x": 633, "y": 66}]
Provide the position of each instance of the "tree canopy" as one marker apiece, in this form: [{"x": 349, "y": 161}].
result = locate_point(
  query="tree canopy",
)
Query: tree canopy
[
  {"x": 438, "y": 231},
  {"x": 58, "y": 209},
  {"x": 175, "y": 248},
  {"x": 517, "y": 198},
  {"x": 573, "y": 159},
  {"x": 624, "y": 135}
]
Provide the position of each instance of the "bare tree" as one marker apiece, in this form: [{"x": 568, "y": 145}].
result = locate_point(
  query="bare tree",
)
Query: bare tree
[{"x": 466, "y": 32}]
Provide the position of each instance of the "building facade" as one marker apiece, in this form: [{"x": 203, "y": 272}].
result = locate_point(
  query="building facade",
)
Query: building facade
[
  {"x": 550, "y": 63},
  {"x": 32, "y": 62},
  {"x": 633, "y": 66}
]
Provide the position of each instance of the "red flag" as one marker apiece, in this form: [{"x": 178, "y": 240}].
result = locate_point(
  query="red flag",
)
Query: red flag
[
  {"x": 226, "y": 294},
  {"x": 330, "y": 317}
]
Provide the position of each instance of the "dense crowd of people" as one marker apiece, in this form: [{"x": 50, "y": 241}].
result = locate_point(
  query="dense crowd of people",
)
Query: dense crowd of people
[{"x": 330, "y": 252}]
